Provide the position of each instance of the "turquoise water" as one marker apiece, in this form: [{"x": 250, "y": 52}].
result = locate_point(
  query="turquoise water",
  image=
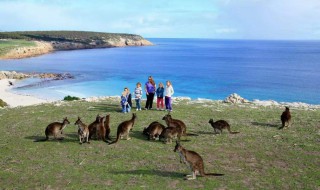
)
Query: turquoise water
[{"x": 198, "y": 68}]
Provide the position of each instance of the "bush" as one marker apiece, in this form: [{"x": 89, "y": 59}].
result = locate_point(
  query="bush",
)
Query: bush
[
  {"x": 2, "y": 103},
  {"x": 70, "y": 98}
]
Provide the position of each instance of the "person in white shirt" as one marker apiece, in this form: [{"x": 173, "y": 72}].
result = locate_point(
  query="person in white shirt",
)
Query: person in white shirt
[{"x": 168, "y": 94}]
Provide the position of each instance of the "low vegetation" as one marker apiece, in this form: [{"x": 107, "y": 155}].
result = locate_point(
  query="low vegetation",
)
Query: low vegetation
[
  {"x": 260, "y": 157},
  {"x": 70, "y": 98},
  {"x": 3, "y": 103},
  {"x": 7, "y": 45},
  {"x": 66, "y": 36}
]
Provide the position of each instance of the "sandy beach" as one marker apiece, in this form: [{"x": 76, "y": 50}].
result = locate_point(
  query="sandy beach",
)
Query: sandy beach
[{"x": 14, "y": 100}]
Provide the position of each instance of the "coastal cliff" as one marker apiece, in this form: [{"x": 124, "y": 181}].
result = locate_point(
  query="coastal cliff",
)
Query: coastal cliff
[{"x": 49, "y": 41}]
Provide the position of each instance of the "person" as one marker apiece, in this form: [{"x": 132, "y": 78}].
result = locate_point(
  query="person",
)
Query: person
[
  {"x": 150, "y": 88},
  {"x": 168, "y": 94},
  {"x": 126, "y": 102},
  {"x": 138, "y": 95},
  {"x": 159, "y": 93}
]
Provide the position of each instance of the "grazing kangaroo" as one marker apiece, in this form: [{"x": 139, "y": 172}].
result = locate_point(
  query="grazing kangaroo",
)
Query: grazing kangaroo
[
  {"x": 169, "y": 133},
  {"x": 146, "y": 129},
  {"x": 83, "y": 131},
  {"x": 93, "y": 126},
  {"x": 182, "y": 129},
  {"x": 124, "y": 128},
  {"x": 219, "y": 125},
  {"x": 154, "y": 130},
  {"x": 107, "y": 126},
  {"x": 286, "y": 118},
  {"x": 55, "y": 128},
  {"x": 194, "y": 161}
]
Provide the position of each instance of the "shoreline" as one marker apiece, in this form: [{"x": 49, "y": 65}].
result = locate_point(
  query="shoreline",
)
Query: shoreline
[{"x": 16, "y": 100}]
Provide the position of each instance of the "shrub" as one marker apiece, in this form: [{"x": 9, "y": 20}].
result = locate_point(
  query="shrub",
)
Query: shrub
[
  {"x": 3, "y": 103},
  {"x": 70, "y": 98}
]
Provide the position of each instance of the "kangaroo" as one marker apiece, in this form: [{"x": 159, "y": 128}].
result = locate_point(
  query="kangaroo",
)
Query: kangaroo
[
  {"x": 219, "y": 125},
  {"x": 93, "y": 126},
  {"x": 193, "y": 160},
  {"x": 154, "y": 130},
  {"x": 182, "y": 129},
  {"x": 170, "y": 133},
  {"x": 55, "y": 128},
  {"x": 83, "y": 131},
  {"x": 107, "y": 126},
  {"x": 124, "y": 128},
  {"x": 286, "y": 118},
  {"x": 101, "y": 130}
]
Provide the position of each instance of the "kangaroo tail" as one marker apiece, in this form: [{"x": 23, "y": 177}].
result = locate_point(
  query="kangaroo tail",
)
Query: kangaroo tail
[
  {"x": 214, "y": 174},
  {"x": 234, "y": 132},
  {"x": 118, "y": 137}
]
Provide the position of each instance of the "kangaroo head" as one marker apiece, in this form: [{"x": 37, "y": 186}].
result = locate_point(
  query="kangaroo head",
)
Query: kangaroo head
[
  {"x": 287, "y": 108},
  {"x": 211, "y": 121},
  {"x": 78, "y": 121},
  {"x": 98, "y": 118},
  {"x": 66, "y": 121},
  {"x": 178, "y": 147},
  {"x": 167, "y": 117}
]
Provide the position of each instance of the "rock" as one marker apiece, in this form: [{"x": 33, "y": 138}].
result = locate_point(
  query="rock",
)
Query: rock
[{"x": 235, "y": 99}]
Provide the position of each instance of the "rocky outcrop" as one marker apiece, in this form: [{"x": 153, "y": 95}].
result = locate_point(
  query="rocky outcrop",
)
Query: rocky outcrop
[
  {"x": 18, "y": 75},
  {"x": 235, "y": 98},
  {"x": 13, "y": 75}
]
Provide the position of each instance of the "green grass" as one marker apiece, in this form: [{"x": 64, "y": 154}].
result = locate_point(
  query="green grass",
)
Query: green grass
[
  {"x": 7, "y": 45},
  {"x": 259, "y": 157}
]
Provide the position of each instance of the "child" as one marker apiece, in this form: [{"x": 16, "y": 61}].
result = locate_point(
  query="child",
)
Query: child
[
  {"x": 126, "y": 102},
  {"x": 168, "y": 94},
  {"x": 159, "y": 93},
  {"x": 138, "y": 96}
]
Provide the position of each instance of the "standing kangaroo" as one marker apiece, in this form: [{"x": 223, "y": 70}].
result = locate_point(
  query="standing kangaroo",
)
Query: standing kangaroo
[
  {"x": 286, "y": 118},
  {"x": 194, "y": 161},
  {"x": 83, "y": 131},
  {"x": 93, "y": 126},
  {"x": 101, "y": 130},
  {"x": 219, "y": 125},
  {"x": 107, "y": 127},
  {"x": 55, "y": 128},
  {"x": 182, "y": 129},
  {"x": 124, "y": 128}
]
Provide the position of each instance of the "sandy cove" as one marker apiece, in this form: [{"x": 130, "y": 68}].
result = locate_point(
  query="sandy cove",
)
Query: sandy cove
[{"x": 15, "y": 100}]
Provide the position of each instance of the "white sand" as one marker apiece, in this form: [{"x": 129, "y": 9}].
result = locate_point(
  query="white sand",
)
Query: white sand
[{"x": 15, "y": 100}]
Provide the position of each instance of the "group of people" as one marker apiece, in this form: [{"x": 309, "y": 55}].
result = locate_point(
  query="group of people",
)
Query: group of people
[{"x": 163, "y": 94}]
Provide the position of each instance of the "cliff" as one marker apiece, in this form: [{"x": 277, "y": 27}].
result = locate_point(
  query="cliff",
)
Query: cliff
[{"x": 48, "y": 41}]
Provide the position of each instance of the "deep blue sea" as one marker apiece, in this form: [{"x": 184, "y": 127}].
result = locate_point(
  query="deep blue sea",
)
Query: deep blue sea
[{"x": 286, "y": 71}]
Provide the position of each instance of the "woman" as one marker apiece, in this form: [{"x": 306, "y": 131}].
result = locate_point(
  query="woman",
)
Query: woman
[
  {"x": 126, "y": 102},
  {"x": 150, "y": 89}
]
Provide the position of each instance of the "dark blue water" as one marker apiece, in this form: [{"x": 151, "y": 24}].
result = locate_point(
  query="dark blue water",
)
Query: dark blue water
[{"x": 198, "y": 68}]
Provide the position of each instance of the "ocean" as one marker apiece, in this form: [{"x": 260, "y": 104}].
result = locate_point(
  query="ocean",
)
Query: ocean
[{"x": 284, "y": 71}]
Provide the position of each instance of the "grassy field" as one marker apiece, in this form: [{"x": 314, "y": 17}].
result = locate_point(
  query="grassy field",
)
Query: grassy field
[
  {"x": 259, "y": 157},
  {"x": 7, "y": 45}
]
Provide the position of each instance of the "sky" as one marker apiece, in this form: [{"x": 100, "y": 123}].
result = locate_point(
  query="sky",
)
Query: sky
[{"x": 216, "y": 19}]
